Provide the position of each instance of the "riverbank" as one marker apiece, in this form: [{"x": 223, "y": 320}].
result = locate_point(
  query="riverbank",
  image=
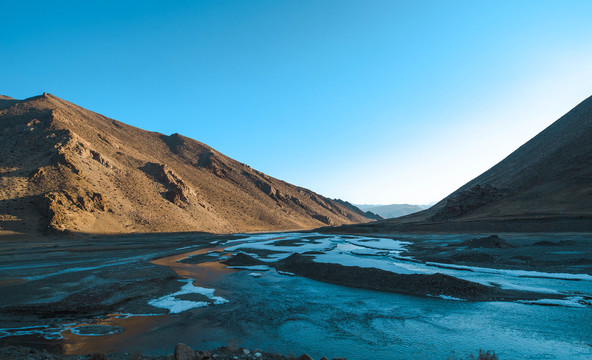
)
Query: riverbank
[{"x": 181, "y": 352}]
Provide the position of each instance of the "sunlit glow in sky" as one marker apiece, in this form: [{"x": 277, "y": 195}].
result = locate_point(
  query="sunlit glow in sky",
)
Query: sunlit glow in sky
[{"x": 369, "y": 101}]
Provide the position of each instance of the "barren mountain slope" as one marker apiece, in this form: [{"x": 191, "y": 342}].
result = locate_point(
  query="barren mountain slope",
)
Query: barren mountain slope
[
  {"x": 64, "y": 168},
  {"x": 545, "y": 185}
]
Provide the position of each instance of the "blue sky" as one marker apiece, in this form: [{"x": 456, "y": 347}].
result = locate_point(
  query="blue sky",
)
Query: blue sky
[{"x": 368, "y": 101}]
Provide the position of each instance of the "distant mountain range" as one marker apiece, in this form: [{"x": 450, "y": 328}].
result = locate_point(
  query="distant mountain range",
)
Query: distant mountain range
[
  {"x": 545, "y": 185},
  {"x": 67, "y": 169},
  {"x": 393, "y": 210}
]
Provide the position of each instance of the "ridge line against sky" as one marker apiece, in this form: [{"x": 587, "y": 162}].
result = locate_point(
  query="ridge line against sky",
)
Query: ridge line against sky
[{"x": 371, "y": 102}]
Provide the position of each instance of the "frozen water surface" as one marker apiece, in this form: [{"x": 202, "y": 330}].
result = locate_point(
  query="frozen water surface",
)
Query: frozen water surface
[
  {"x": 388, "y": 254},
  {"x": 176, "y": 305},
  {"x": 291, "y": 314}
]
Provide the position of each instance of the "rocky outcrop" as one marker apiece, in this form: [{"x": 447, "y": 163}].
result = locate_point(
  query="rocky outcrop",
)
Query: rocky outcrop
[
  {"x": 177, "y": 191},
  {"x": 61, "y": 208},
  {"x": 492, "y": 242},
  {"x": 466, "y": 201}
]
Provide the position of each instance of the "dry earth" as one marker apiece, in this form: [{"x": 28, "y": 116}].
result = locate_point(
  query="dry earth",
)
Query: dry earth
[{"x": 66, "y": 169}]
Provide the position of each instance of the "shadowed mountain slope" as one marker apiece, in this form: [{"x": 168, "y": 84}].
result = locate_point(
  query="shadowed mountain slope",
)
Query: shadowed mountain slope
[
  {"x": 64, "y": 168},
  {"x": 545, "y": 185}
]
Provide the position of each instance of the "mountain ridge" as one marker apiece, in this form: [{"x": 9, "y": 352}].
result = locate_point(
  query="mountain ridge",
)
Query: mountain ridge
[
  {"x": 544, "y": 185},
  {"x": 68, "y": 169},
  {"x": 392, "y": 210}
]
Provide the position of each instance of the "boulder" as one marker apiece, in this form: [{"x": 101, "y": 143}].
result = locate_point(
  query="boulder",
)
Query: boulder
[
  {"x": 305, "y": 357},
  {"x": 184, "y": 352}
]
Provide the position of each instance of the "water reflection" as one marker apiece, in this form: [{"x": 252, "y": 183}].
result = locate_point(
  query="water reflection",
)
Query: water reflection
[{"x": 134, "y": 327}]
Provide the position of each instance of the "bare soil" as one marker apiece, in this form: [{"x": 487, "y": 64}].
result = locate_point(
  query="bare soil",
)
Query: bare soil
[{"x": 65, "y": 169}]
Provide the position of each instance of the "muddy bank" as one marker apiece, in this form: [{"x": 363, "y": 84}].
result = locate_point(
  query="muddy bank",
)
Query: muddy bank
[
  {"x": 92, "y": 292},
  {"x": 81, "y": 278}
]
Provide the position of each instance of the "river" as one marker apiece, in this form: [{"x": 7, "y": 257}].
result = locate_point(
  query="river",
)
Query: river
[{"x": 263, "y": 309}]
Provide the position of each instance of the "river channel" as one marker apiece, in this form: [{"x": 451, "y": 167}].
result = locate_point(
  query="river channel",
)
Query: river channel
[{"x": 261, "y": 308}]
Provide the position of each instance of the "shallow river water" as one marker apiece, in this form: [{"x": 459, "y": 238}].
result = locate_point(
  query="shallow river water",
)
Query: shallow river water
[{"x": 262, "y": 308}]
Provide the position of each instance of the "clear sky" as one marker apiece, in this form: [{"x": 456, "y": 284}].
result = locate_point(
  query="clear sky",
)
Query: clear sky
[{"x": 368, "y": 101}]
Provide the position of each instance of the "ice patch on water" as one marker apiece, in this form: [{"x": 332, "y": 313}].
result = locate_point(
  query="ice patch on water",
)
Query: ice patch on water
[
  {"x": 370, "y": 252},
  {"x": 267, "y": 243},
  {"x": 209, "y": 253},
  {"x": 447, "y": 297},
  {"x": 128, "y": 315},
  {"x": 516, "y": 273},
  {"x": 272, "y": 236},
  {"x": 255, "y": 275},
  {"x": 508, "y": 286},
  {"x": 26, "y": 330},
  {"x": 251, "y": 267},
  {"x": 316, "y": 242},
  {"x": 574, "y": 301},
  {"x": 347, "y": 259},
  {"x": 53, "y": 332},
  {"x": 186, "y": 247},
  {"x": 175, "y": 305},
  {"x": 379, "y": 243},
  {"x": 285, "y": 273},
  {"x": 78, "y": 330},
  {"x": 77, "y": 269},
  {"x": 385, "y": 254}
]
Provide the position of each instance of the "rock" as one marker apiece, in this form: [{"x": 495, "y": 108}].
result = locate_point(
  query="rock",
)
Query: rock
[
  {"x": 468, "y": 200},
  {"x": 184, "y": 352},
  {"x": 492, "y": 241},
  {"x": 242, "y": 259},
  {"x": 246, "y": 351},
  {"x": 305, "y": 357},
  {"x": 203, "y": 355},
  {"x": 324, "y": 358},
  {"x": 322, "y": 218}
]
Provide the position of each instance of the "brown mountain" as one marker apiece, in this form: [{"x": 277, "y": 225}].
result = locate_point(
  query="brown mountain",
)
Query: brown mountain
[
  {"x": 64, "y": 168},
  {"x": 545, "y": 185}
]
